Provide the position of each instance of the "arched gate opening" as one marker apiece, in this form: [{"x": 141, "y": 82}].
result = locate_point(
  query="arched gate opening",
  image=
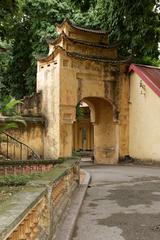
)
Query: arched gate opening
[{"x": 95, "y": 130}]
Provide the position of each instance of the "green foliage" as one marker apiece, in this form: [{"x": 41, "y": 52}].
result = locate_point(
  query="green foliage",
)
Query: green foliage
[
  {"x": 8, "y": 9},
  {"x": 12, "y": 180},
  {"x": 10, "y": 15},
  {"x": 26, "y": 24},
  {"x": 5, "y": 58},
  {"x": 79, "y": 112},
  {"x": 18, "y": 180},
  {"x": 5, "y": 126},
  {"x": 134, "y": 23},
  {"x": 84, "y": 5},
  {"x": 148, "y": 61},
  {"x": 8, "y": 108},
  {"x": 30, "y": 33},
  {"x": 20, "y": 64}
]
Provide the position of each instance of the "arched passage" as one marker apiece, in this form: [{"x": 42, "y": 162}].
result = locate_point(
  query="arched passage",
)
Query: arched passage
[
  {"x": 83, "y": 128},
  {"x": 98, "y": 129}
]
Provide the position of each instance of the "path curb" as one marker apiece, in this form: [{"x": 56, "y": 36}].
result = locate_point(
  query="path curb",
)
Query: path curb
[{"x": 66, "y": 229}]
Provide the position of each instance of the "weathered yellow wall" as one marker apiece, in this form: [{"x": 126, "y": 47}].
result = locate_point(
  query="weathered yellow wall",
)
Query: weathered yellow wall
[
  {"x": 144, "y": 121},
  {"x": 90, "y": 50},
  {"x": 105, "y": 139},
  {"x": 31, "y": 135},
  {"x": 48, "y": 82},
  {"x": 123, "y": 106}
]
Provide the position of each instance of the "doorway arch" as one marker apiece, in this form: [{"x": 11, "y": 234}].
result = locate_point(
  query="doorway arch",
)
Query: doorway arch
[{"x": 100, "y": 129}]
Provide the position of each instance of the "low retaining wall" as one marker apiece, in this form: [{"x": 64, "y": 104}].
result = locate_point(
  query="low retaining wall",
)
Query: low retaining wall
[
  {"x": 35, "y": 212},
  {"x": 26, "y": 167}
]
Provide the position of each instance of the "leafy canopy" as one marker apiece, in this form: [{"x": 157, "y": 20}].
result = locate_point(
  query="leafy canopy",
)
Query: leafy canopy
[
  {"x": 134, "y": 23},
  {"x": 25, "y": 25},
  {"x": 38, "y": 19}
]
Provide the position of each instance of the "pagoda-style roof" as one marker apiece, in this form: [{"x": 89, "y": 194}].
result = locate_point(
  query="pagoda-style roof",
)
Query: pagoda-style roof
[
  {"x": 82, "y": 43},
  {"x": 61, "y": 26},
  {"x": 77, "y": 41},
  {"x": 59, "y": 49},
  {"x": 83, "y": 47},
  {"x": 81, "y": 33}
]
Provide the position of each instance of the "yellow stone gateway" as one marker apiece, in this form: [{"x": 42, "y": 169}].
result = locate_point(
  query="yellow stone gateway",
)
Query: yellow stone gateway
[{"x": 82, "y": 67}]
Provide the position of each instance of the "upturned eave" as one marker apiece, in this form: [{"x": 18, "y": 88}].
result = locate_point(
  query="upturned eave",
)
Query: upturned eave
[
  {"x": 74, "y": 26},
  {"x": 63, "y": 36},
  {"x": 59, "y": 49}
]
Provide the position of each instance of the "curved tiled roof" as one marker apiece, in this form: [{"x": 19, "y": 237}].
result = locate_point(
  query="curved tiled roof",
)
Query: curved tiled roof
[
  {"x": 95, "y": 58},
  {"x": 83, "y": 57},
  {"x": 80, "y": 28},
  {"x": 63, "y": 35}
]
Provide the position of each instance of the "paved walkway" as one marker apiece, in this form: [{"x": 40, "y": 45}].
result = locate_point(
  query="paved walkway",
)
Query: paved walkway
[{"x": 122, "y": 203}]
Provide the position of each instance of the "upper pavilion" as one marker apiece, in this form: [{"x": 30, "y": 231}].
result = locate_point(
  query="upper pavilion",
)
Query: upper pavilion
[{"x": 82, "y": 43}]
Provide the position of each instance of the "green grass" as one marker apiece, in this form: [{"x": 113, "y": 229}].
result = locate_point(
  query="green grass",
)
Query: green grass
[{"x": 18, "y": 180}]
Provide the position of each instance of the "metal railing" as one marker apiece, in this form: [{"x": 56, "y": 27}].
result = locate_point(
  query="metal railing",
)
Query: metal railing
[{"x": 13, "y": 149}]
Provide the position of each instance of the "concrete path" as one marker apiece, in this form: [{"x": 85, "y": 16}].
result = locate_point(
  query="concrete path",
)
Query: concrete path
[{"x": 122, "y": 203}]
